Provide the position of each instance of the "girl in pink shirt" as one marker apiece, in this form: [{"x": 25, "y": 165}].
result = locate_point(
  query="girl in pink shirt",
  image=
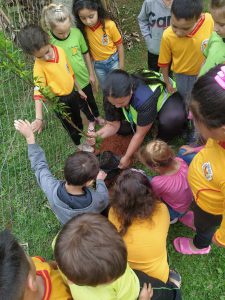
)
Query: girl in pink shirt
[{"x": 171, "y": 184}]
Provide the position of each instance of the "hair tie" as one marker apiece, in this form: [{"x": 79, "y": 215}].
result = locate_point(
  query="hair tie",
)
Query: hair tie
[
  {"x": 58, "y": 10},
  {"x": 220, "y": 77}
]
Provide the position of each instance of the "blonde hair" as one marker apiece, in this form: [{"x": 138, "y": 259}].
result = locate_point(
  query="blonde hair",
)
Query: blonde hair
[
  {"x": 53, "y": 14},
  {"x": 156, "y": 154}
]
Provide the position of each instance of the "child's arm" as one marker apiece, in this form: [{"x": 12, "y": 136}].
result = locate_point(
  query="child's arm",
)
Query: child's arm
[
  {"x": 90, "y": 68},
  {"x": 165, "y": 58},
  {"x": 45, "y": 179},
  {"x": 24, "y": 127},
  {"x": 79, "y": 90},
  {"x": 190, "y": 149},
  {"x": 120, "y": 50},
  {"x": 146, "y": 292},
  {"x": 165, "y": 73},
  {"x": 37, "y": 124},
  {"x": 101, "y": 197},
  {"x": 143, "y": 21}
]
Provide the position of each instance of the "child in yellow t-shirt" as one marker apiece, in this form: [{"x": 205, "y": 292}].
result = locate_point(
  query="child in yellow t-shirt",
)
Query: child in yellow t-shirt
[
  {"x": 51, "y": 68},
  {"x": 206, "y": 172},
  {"x": 183, "y": 43},
  {"x": 102, "y": 34},
  {"x": 25, "y": 278},
  {"x": 93, "y": 259}
]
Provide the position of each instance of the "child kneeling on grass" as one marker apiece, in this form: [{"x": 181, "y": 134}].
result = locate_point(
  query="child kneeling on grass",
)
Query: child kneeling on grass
[
  {"x": 171, "y": 184},
  {"x": 73, "y": 196},
  {"x": 93, "y": 259},
  {"x": 25, "y": 278}
]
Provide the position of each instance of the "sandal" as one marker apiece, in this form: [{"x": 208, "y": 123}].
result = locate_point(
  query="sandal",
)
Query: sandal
[
  {"x": 188, "y": 220},
  {"x": 175, "y": 278},
  {"x": 182, "y": 245}
]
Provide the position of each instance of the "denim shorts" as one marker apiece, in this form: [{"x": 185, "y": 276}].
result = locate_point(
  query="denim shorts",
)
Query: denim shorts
[{"x": 103, "y": 67}]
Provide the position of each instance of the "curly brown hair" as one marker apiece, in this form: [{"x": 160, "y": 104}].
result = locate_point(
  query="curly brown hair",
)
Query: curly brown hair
[{"x": 132, "y": 198}]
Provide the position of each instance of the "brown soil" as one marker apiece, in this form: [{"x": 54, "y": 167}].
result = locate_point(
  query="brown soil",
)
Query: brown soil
[{"x": 117, "y": 144}]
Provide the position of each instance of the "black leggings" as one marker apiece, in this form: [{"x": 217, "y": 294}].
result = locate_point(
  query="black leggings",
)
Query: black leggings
[
  {"x": 153, "y": 62},
  {"x": 161, "y": 290},
  {"x": 89, "y": 106},
  {"x": 206, "y": 225},
  {"x": 172, "y": 117},
  {"x": 72, "y": 108}
]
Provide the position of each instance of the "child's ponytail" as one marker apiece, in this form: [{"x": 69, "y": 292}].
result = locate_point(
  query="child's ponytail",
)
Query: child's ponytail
[
  {"x": 157, "y": 153},
  {"x": 54, "y": 14}
]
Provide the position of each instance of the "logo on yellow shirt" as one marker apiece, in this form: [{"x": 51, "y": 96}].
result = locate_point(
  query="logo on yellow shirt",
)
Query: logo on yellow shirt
[
  {"x": 204, "y": 45},
  {"x": 207, "y": 171},
  {"x": 105, "y": 39}
]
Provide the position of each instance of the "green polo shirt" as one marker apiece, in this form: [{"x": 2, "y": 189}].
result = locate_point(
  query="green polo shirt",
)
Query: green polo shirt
[
  {"x": 75, "y": 46},
  {"x": 214, "y": 53},
  {"x": 126, "y": 287}
]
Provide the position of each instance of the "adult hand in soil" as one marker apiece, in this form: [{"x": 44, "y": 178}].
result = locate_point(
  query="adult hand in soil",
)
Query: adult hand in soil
[{"x": 124, "y": 162}]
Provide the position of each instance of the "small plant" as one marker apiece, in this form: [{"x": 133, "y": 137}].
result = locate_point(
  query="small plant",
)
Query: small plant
[{"x": 10, "y": 62}]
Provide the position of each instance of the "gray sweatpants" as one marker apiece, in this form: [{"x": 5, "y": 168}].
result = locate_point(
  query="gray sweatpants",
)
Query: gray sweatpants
[{"x": 185, "y": 84}]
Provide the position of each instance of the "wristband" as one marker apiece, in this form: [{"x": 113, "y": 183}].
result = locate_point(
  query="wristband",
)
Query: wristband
[{"x": 39, "y": 119}]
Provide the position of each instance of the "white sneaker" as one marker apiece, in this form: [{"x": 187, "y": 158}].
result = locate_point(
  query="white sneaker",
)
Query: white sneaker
[
  {"x": 85, "y": 147},
  {"x": 174, "y": 221}
]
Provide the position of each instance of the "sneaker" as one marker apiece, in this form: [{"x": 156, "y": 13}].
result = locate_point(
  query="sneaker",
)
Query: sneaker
[
  {"x": 85, "y": 147},
  {"x": 174, "y": 221},
  {"x": 175, "y": 278}
]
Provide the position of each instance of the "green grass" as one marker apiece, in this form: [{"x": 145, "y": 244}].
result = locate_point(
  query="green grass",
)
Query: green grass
[{"x": 23, "y": 207}]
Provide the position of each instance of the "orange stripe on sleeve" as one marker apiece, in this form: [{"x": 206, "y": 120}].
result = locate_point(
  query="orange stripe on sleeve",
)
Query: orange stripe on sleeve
[
  {"x": 163, "y": 65},
  {"x": 120, "y": 41},
  {"x": 39, "y": 97}
]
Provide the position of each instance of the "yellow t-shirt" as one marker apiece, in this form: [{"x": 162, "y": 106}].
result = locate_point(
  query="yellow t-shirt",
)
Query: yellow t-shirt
[
  {"x": 207, "y": 180},
  {"x": 146, "y": 243},
  {"x": 55, "y": 288},
  {"x": 103, "y": 43},
  {"x": 186, "y": 53},
  {"x": 57, "y": 74}
]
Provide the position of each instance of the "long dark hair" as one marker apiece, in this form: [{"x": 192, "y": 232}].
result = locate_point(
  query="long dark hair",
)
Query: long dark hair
[
  {"x": 92, "y": 5},
  {"x": 132, "y": 198},
  {"x": 208, "y": 100},
  {"x": 119, "y": 83}
]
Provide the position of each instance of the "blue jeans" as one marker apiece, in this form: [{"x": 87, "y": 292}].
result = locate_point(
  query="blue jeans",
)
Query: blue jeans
[
  {"x": 174, "y": 214},
  {"x": 187, "y": 158},
  {"x": 103, "y": 67}
]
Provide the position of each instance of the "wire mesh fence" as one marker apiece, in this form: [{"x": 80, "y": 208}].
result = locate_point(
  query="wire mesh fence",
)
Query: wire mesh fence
[{"x": 23, "y": 207}]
